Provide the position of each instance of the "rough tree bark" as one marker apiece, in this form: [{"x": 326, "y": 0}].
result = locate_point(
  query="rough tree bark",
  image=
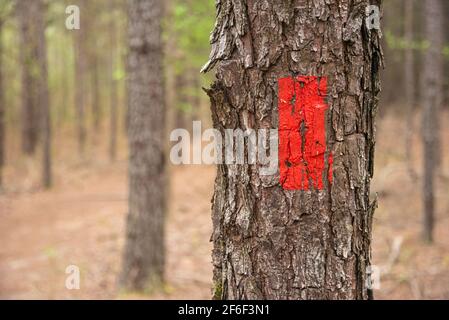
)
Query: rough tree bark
[
  {"x": 30, "y": 81},
  {"x": 431, "y": 101},
  {"x": 144, "y": 257},
  {"x": 271, "y": 243}
]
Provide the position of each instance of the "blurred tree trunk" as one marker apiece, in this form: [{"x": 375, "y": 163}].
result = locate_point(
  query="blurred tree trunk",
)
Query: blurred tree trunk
[
  {"x": 144, "y": 258},
  {"x": 30, "y": 81},
  {"x": 393, "y": 81},
  {"x": 271, "y": 243},
  {"x": 171, "y": 92},
  {"x": 114, "y": 92},
  {"x": 432, "y": 100},
  {"x": 2, "y": 108},
  {"x": 96, "y": 103},
  {"x": 80, "y": 85},
  {"x": 63, "y": 104},
  {"x": 409, "y": 78},
  {"x": 43, "y": 94}
]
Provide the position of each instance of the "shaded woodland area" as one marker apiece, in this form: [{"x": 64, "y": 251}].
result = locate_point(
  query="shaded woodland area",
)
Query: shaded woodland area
[{"x": 86, "y": 178}]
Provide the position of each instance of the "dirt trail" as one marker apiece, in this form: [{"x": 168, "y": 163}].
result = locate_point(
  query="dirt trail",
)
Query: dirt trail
[{"x": 83, "y": 224}]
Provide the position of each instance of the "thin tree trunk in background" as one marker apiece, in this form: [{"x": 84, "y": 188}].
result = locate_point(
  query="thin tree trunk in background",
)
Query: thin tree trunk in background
[
  {"x": 409, "y": 79},
  {"x": 392, "y": 20},
  {"x": 144, "y": 258},
  {"x": 271, "y": 243},
  {"x": 170, "y": 85},
  {"x": 114, "y": 122},
  {"x": 96, "y": 107},
  {"x": 2, "y": 109},
  {"x": 61, "y": 109},
  {"x": 432, "y": 100},
  {"x": 114, "y": 93},
  {"x": 28, "y": 52},
  {"x": 169, "y": 46},
  {"x": 43, "y": 94},
  {"x": 80, "y": 95},
  {"x": 123, "y": 6},
  {"x": 66, "y": 94}
]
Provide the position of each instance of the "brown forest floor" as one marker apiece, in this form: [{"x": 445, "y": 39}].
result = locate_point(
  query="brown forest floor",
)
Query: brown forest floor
[{"x": 81, "y": 222}]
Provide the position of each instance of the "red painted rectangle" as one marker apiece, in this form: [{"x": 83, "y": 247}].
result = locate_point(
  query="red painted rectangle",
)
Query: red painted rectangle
[{"x": 302, "y": 133}]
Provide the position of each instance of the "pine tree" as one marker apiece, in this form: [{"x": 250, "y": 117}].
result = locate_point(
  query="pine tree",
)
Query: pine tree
[{"x": 273, "y": 243}]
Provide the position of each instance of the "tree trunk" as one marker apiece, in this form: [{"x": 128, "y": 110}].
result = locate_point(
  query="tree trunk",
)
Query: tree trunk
[
  {"x": 113, "y": 94},
  {"x": 80, "y": 86},
  {"x": 409, "y": 79},
  {"x": 432, "y": 100},
  {"x": 30, "y": 81},
  {"x": 2, "y": 109},
  {"x": 96, "y": 103},
  {"x": 143, "y": 263},
  {"x": 43, "y": 95},
  {"x": 273, "y": 243},
  {"x": 63, "y": 104}
]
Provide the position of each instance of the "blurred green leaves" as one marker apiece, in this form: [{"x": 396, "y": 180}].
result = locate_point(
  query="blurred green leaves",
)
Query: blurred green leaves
[
  {"x": 6, "y": 8},
  {"x": 187, "y": 29},
  {"x": 119, "y": 74},
  {"x": 400, "y": 43}
]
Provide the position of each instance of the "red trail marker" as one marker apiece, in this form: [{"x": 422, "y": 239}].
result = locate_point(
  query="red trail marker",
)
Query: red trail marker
[{"x": 302, "y": 133}]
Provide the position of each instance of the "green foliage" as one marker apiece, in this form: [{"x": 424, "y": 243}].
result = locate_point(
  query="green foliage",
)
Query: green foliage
[
  {"x": 6, "y": 8},
  {"x": 446, "y": 51},
  {"x": 9, "y": 61},
  {"x": 400, "y": 43},
  {"x": 186, "y": 33},
  {"x": 188, "y": 26},
  {"x": 119, "y": 74}
]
